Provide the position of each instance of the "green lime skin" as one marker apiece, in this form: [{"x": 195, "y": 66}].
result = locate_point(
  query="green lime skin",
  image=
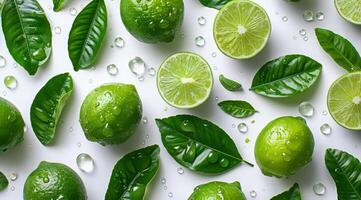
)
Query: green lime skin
[
  {"x": 111, "y": 113},
  {"x": 11, "y": 125},
  {"x": 152, "y": 21},
  {"x": 218, "y": 191},
  {"x": 54, "y": 181},
  {"x": 285, "y": 145}
]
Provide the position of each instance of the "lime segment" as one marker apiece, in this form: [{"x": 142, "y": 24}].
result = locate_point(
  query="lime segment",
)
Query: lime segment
[
  {"x": 350, "y": 10},
  {"x": 344, "y": 101},
  {"x": 241, "y": 29},
  {"x": 185, "y": 80}
]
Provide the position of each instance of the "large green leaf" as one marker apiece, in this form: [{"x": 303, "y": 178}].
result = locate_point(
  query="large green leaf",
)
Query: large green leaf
[
  {"x": 47, "y": 106},
  {"x": 3, "y": 182},
  {"x": 132, "y": 174},
  {"x": 217, "y": 4},
  {"x": 27, "y": 33},
  {"x": 238, "y": 109},
  {"x": 286, "y": 76},
  {"x": 87, "y": 34},
  {"x": 58, "y": 4},
  {"x": 229, "y": 84},
  {"x": 198, "y": 144},
  {"x": 292, "y": 194},
  {"x": 345, "y": 170},
  {"x": 340, "y": 49}
]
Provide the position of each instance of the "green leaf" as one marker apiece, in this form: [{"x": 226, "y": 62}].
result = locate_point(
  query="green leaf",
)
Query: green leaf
[
  {"x": 286, "y": 76},
  {"x": 87, "y": 34},
  {"x": 345, "y": 170},
  {"x": 47, "y": 107},
  {"x": 292, "y": 194},
  {"x": 217, "y": 4},
  {"x": 3, "y": 182},
  {"x": 58, "y": 4},
  {"x": 27, "y": 33},
  {"x": 132, "y": 174},
  {"x": 229, "y": 84},
  {"x": 340, "y": 49},
  {"x": 238, "y": 109},
  {"x": 198, "y": 144}
]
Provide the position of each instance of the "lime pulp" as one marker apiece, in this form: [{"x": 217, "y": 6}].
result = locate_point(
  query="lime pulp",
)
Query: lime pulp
[{"x": 349, "y": 10}]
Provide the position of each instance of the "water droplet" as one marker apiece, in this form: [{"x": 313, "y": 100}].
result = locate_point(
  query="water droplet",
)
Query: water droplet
[
  {"x": 200, "y": 42},
  {"x": 215, "y": 68},
  {"x": 320, "y": 16},
  {"x": 224, "y": 162},
  {"x": 242, "y": 127},
  {"x": 163, "y": 180},
  {"x": 308, "y": 15},
  {"x": 85, "y": 162},
  {"x": 112, "y": 69},
  {"x": 247, "y": 140},
  {"x": 46, "y": 179},
  {"x": 90, "y": 81},
  {"x": 305, "y": 38},
  {"x": 170, "y": 195},
  {"x": 202, "y": 20},
  {"x": 39, "y": 54},
  {"x": 302, "y": 32},
  {"x": 212, "y": 157},
  {"x": 57, "y": 29},
  {"x": 324, "y": 113},
  {"x": 141, "y": 78},
  {"x": 2, "y": 62},
  {"x": 163, "y": 24},
  {"x": 10, "y": 82},
  {"x": 73, "y": 11},
  {"x": 165, "y": 187},
  {"x": 326, "y": 129},
  {"x": 180, "y": 171},
  {"x": 137, "y": 66},
  {"x": 253, "y": 193},
  {"x": 78, "y": 144},
  {"x": 214, "y": 54},
  {"x": 13, "y": 176},
  {"x": 285, "y": 18},
  {"x": 4, "y": 93},
  {"x": 12, "y": 188},
  {"x": 119, "y": 42},
  {"x": 216, "y": 98},
  {"x": 152, "y": 71},
  {"x": 319, "y": 189},
  {"x": 306, "y": 109},
  {"x": 25, "y": 129},
  {"x": 145, "y": 120}
]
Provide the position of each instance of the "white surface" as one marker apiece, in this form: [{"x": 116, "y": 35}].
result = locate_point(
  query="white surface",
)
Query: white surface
[{"x": 28, "y": 154}]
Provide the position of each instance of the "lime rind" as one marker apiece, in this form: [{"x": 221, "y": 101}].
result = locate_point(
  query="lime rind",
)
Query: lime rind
[
  {"x": 242, "y": 29},
  {"x": 185, "y": 80},
  {"x": 350, "y": 10},
  {"x": 344, "y": 101}
]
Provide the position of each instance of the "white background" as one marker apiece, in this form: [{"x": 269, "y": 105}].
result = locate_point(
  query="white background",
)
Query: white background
[{"x": 284, "y": 40}]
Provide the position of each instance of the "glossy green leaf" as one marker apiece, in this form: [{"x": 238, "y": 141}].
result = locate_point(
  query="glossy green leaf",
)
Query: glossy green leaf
[
  {"x": 217, "y": 4},
  {"x": 292, "y": 194},
  {"x": 286, "y": 76},
  {"x": 340, "y": 49},
  {"x": 238, "y": 109},
  {"x": 132, "y": 174},
  {"x": 198, "y": 144},
  {"x": 27, "y": 33},
  {"x": 48, "y": 105},
  {"x": 3, "y": 182},
  {"x": 58, "y": 4},
  {"x": 229, "y": 84},
  {"x": 87, "y": 34},
  {"x": 345, "y": 170}
]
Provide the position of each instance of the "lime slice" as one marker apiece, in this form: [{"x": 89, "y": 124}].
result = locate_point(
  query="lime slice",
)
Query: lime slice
[
  {"x": 349, "y": 10},
  {"x": 344, "y": 101},
  {"x": 185, "y": 80},
  {"x": 241, "y": 29}
]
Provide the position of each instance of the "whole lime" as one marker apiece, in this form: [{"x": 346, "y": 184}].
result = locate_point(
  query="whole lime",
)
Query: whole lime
[
  {"x": 284, "y": 146},
  {"x": 54, "y": 181},
  {"x": 152, "y": 21},
  {"x": 218, "y": 191},
  {"x": 111, "y": 113},
  {"x": 11, "y": 125}
]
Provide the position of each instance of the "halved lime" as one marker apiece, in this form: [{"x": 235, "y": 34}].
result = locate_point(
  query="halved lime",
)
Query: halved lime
[
  {"x": 344, "y": 101},
  {"x": 241, "y": 29},
  {"x": 349, "y": 10},
  {"x": 185, "y": 80}
]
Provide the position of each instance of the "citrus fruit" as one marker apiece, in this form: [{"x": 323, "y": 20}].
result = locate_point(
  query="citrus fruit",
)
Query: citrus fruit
[
  {"x": 349, "y": 10},
  {"x": 11, "y": 125},
  {"x": 241, "y": 29},
  {"x": 344, "y": 101},
  {"x": 218, "y": 191},
  {"x": 185, "y": 80},
  {"x": 284, "y": 146},
  {"x": 54, "y": 181},
  {"x": 111, "y": 113},
  {"x": 152, "y": 21}
]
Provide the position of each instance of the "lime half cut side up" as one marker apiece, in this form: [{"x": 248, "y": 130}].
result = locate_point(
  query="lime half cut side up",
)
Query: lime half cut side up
[
  {"x": 185, "y": 80},
  {"x": 241, "y": 29},
  {"x": 344, "y": 101},
  {"x": 349, "y": 10}
]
